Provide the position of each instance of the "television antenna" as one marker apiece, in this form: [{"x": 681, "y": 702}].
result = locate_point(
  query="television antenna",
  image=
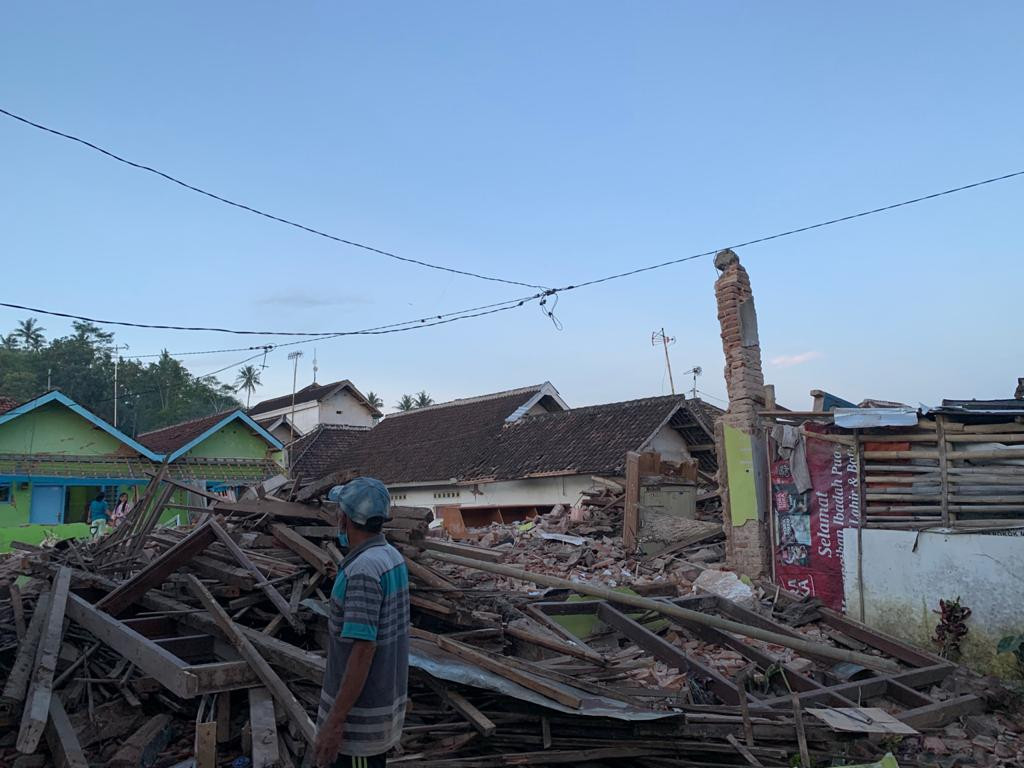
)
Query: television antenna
[{"x": 659, "y": 337}]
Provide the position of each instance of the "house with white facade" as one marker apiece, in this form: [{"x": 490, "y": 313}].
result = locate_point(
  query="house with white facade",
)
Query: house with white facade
[
  {"x": 517, "y": 449},
  {"x": 337, "y": 403}
]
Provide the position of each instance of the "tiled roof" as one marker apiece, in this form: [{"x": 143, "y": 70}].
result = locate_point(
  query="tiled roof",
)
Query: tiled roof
[
  {"x": 7, "y": 403},
  {"x": 324, "y": 449},
  {"x": 309, "y": 394},
  {"x": 170, "y": 439},
  {"x": 471, "y": 439},
  {"x": 591, "y": 440},
  {"x": 438, "y": 442}
]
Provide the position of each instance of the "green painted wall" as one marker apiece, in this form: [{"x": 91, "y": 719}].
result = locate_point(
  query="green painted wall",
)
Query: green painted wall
[
  {"x": 235, "y": 441},
  {"x": 53, "y": 428},
  {"x": 16, "y": 512}
]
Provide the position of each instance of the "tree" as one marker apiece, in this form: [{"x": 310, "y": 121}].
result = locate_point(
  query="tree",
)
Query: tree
[
  {"x": 406, "y": 403},
  {"x": 423, "y": 399},
  {"x": 31, "y": 334},
  {"x": 9, "y": 342},
  {"x": 248, "y": 379},
  {"x": 374, "y": 399}
]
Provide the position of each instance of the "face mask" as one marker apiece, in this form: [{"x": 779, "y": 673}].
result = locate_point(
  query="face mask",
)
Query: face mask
[{"x": 343, "y": 540}]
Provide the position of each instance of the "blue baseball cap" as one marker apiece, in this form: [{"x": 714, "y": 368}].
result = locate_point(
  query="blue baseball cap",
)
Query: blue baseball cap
[{"x": 362, "y": 499}]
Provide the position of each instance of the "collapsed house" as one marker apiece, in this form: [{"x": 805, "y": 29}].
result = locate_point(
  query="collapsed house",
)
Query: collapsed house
[
  {"x": 880, "y": 510},
  {"x": 513, "y": 454},
  {"x": 175, "y": 647}
]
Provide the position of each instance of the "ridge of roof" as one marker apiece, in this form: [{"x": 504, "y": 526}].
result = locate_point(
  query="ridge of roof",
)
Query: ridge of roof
[
  {"x": 598, "y": 407},
  {"x": 310, "y": 393},
  {"x": 469, "y": 400}
]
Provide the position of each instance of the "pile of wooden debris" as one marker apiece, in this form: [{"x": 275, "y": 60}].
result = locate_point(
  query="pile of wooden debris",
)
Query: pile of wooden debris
[{"x": 197, "y": 646}]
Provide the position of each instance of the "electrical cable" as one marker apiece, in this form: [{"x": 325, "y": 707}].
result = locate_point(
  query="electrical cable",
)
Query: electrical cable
[
  {"x": 257, "y": 211},
  {"x": 515, "y": 303}
]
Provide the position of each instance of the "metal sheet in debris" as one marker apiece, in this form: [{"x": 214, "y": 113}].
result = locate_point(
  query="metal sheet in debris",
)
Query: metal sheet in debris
[
  {"x": 444, "y": 666},
  {"x": 857, "y": 418}
]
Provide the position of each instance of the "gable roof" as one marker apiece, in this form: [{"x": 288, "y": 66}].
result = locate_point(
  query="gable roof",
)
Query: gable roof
[
  {"x": 55, "y": 396},
  {"x": 319, "y": 452},
  {"x": 271, "y": 423},
  {"x": 179, "y": 439},
  {"x": 590, "y": 440},
  {"x": 314, "y": 392}
]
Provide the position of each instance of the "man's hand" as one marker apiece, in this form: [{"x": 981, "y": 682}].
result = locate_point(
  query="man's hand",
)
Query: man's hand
[{"x": 328, "y": 743}]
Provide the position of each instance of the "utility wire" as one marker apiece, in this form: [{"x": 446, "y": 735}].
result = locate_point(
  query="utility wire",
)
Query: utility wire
[
  {"x": 489, "y": 309},
  {"x": 257, "y": 211}
]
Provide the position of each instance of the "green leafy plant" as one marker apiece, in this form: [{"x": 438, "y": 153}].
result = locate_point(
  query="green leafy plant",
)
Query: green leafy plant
[{"x": 1013, "y": 644}]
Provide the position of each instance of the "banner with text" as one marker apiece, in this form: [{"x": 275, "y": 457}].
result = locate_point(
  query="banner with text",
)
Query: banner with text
[{"x": 809, "y": 525}]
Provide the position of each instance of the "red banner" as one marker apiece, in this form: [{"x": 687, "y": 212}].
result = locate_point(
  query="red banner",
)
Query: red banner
[{"x": 809, "y": 525}]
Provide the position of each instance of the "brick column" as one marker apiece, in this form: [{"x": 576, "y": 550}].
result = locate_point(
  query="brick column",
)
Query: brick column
[{"x": 747, "y": 543}]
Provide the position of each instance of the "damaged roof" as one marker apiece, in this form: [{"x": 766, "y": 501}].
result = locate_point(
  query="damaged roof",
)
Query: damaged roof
[
  {"x": 590, "y": 440},
  {"x": 494, "y": 438},
  {"x": 180, "y": 438},
  {"x": 313, "y": 392}
]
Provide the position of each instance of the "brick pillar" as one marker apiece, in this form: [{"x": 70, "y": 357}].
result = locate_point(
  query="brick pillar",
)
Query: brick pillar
[{"x": 745, "y": 518}]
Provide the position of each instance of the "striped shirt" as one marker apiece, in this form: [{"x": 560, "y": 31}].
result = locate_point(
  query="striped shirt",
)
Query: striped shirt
[{"x": 370, "y": 601}]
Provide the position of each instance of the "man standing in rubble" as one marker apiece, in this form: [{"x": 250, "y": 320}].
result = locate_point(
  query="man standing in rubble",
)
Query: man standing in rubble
[{"x": 362, "y": 704}]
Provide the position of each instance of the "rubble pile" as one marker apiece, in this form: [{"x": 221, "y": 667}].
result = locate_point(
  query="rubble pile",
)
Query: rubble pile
[{"x": 540, "y": 642}]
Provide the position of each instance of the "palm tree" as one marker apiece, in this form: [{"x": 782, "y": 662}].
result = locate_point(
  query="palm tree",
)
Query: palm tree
[
  {"x": 30, "y": 333},
  {"x": 10, "y": 341},
  {"x": 423, "y": 399},
  {"x": 248, "y": 379},
  {"x": 375, "y": 400},
  {"x": 406, "y": 403}
]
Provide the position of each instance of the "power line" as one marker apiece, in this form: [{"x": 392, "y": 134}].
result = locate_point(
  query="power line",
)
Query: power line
[
  {"x": 427, "y": 322},
  {"x": 257, "y": 211}
]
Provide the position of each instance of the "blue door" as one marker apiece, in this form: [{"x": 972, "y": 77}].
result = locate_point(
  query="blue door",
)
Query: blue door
[{"x": 47, "y": 505}]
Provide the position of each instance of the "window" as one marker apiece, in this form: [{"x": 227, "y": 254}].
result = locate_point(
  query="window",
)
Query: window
[
  {"x": 446, "y": 494},
  {"x": 399, "y": 496},
  {"x": 6, "y": 493}
]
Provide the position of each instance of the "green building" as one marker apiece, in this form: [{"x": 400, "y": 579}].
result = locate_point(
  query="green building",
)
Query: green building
[{"x": 55, "y": 456}]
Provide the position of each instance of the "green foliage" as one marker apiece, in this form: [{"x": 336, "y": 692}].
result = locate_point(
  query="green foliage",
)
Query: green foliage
[
  {"x": 1013, "y": 644},
  {"x": 374, "y": 399},
  {"x": 407, "y": 403},
  {"x": 248, "y": 379},
  {"x": 81, "y": 365},
  {"x": 423, "y": 399}
]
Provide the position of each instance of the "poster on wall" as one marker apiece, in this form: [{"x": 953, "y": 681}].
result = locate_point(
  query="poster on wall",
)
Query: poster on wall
[{"x": 809, "y": 521}]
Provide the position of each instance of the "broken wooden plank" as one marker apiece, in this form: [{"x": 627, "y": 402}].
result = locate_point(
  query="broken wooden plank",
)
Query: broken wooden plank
[
  {"x": 154, "y": 574},
  {"x": 18, "y": 609},
  {"x": 268, "y": 589},
  {"x": 17, "y": 682},
  {"x": 303, "y": 547},
  {"x": 674, "y": 611},
  {"x": 143, "y": 746},
  {"x": 464, "y": 550},
  {"x": 942, "y": 712},
  {"x": 144, "y": 653},
  {"x": 270, "y": 679},
  {"x": 61, "y": 738},
  {"x": 37, "y": 703},
  {"x": 535, "y": 684},
  {"x": 483, "y": 724},
  {"x": 205, "y": 743},
  {"x": 265, "y": 751},
  {"x": 745, "y": 753}
]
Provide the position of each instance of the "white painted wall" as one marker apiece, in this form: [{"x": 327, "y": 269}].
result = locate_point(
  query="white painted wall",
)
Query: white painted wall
[
  {"x": 344, "y": 408},
  {"x": 540, "y": 491},
  {"x": 670, "y": 444},
  {"x": 903, "y": 586}
]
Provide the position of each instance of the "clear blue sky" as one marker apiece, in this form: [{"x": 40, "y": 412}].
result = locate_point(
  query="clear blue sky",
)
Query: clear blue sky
[{"x": 548, "y": 142}]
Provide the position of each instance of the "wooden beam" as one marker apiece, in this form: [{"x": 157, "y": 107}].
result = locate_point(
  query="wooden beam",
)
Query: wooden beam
[
  {"x": 270, "y": 679},
  {"x": 37, "y": 703},
  {"x": 143, "y": 746},
  {"x": 144, "y": 653},
  {"x": 664, "y": 651},
  {"x": 631, "y": 510},
  {"x": 535, "y": 684},
  {"x": 263, "y": 725},
  {"x": 154, "y": 574},
  {"x": 303, "y": 547},
  {"x": 269, "y": 589},
  {"x": 674, "y": 611},
  {"x": 17, "y": 681},
  {"x": 61, "y": 738},
  {"x": 941, "y": 713}
]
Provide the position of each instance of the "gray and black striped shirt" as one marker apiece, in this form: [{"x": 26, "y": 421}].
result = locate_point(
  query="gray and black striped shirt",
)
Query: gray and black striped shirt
[{"x": 370, "y": 601}]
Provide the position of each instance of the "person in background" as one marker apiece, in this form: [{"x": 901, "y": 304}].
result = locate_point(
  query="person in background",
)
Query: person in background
[
  {"x": 121, "y": 510},
  {"x": 98, "y": 510},
  {"x": 364, "y": 695}
]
